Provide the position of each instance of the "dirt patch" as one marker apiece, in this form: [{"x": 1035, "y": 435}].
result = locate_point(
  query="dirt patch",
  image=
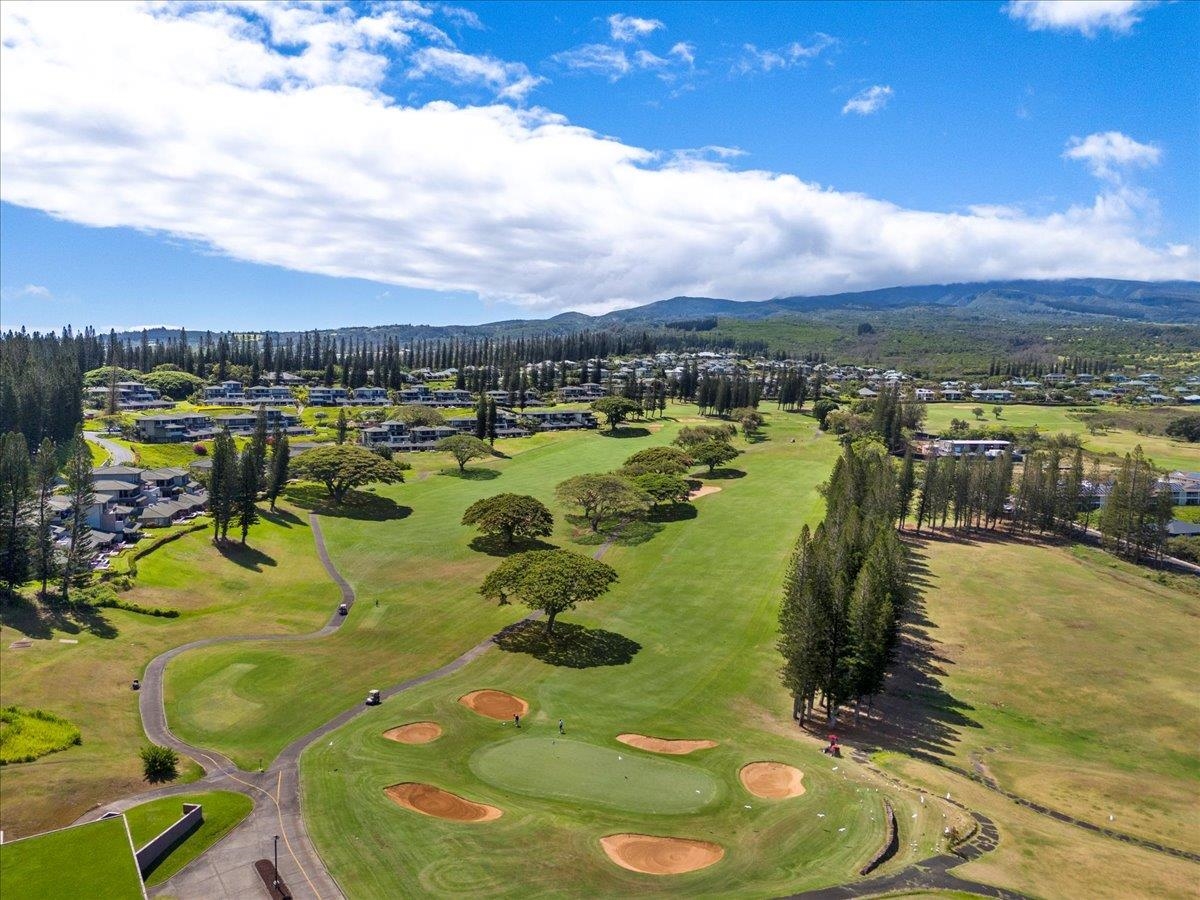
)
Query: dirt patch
[
  {"x": 494, "y": 704},
  {"x": 660, "y": 855},
  {"x": 414, "y": 733},
  {"x": 431, "y": 801},
  {"x": 663, "y": 745},
  {"x": 703, "y": 491},
  {"x": 772, "y": 780}
]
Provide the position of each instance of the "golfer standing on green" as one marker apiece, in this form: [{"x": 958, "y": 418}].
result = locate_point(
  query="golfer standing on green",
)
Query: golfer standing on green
[{"x": 560, "y": 727}]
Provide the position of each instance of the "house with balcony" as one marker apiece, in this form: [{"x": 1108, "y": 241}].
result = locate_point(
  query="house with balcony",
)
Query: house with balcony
[
  {"x": 328, "y": 396},
  {"x": 226, "y": 392},
  {"x": 245, "y": 423},
  {"x": 270, "y": 395},
  {"x": 174, "y": 428},
  {"x": 369, "y": 396}
]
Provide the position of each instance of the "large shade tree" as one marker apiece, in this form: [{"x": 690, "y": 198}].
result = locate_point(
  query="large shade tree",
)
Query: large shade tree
[
  {"x": 616, "y": 410},
  {"x": 714, "y": 453},
  {"x": 657, "y": 460},
  {"x": 464, "y": 448},
  {"x": 511, "y": 515},
  {"x": 551, "y": 581},
  {"x": 601, "y": 496},
  {"x": 343, "y": 467}
]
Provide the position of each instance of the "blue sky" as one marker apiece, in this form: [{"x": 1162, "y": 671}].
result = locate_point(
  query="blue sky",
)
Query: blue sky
[{"x": 443, "y": 164}]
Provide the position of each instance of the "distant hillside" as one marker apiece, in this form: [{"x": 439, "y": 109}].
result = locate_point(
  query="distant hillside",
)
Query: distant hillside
[
  {"x": 1085, "y": 300},
  {"x": 1145, "y": 301}
]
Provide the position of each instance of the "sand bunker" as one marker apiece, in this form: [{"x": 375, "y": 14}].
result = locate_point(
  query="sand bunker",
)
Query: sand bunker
[
  {"x": 703, "y": 491},
  {"x": 662, "y": 745},
  {"x": 414, "y": 733},
  {"x": 431, "y": 801},
  {"x": 660, "y": 855},
  {"x": 494, "y": 704},
  {"x": 772, "y": 780}
]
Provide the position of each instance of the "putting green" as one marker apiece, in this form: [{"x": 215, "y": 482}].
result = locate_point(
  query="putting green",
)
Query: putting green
[{"x": 561, "y": 769}]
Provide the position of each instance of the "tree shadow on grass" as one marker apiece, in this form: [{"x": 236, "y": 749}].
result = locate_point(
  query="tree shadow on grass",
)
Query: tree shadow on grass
[
  {"x": 672, "y": 512},
  {"x": 25, "y": 616},
  {"x": 362, "y": 505},
  {"x": 282, "y": 517},
  {"x": 626, "y": 431},
  {"x": 495, "y": 545},
  {"x": 40, "y": 621},
  {"x": 479, "y": 474},
  {"x": 246, "y": 556},
  {"x": 915, "y": 714},
  {"x": 725, "y": 473},
  {"x": 570, "y": 646},
  {"x": 622, "y": 532}
]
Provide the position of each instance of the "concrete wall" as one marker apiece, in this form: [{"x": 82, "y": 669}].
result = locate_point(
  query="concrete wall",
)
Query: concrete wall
[{"x": 152, "y": 852}]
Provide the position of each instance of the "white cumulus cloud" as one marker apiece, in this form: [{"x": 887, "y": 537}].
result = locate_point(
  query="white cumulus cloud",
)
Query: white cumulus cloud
[
  {"x": 630, "y": 28},
  {"x": 198, "y": 125},
  {"x": 509, "y": 80},
  {"x": 1088, "y": 17},
  {"x": 1108, "y": 153},
  {"x": 869, "y": 100}
]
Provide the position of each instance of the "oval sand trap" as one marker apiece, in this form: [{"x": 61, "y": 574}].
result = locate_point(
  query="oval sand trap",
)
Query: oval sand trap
[
  {"x": 703, "y": 491},
  {"x": 660, "y": 855},
  {"x": 414, "y": 733},
  {"x": 494, "y": 704},
  {"x": 662, "y": 745},
  {"x": 431, "y": 801},
  {"x": 772, "y": 780}
]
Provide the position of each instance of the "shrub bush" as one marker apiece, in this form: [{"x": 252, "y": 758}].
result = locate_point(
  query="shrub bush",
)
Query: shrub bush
[
  {"x": 159, "y": 763},
  {"x": 26, "y": 734}
]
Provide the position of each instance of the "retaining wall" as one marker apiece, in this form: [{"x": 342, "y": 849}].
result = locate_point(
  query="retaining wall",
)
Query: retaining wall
[{"x": 158, "y": 847}]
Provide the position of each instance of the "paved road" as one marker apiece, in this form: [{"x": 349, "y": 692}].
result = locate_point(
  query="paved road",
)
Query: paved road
[{"x": 118, "y": 455}]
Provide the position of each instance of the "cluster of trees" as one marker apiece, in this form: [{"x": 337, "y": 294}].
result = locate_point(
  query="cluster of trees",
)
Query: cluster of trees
[
  {"x": 966, "y": 493},
  {"x": 1034, "y": 368},
  {"x": 791, "y": 391},
  {"x": 846, "y": 588},
  {"x": 1185, "y": 428},
  {"x": 1134, "y": 520},
  {"x": 41, "y": 383},
  {"x": 237, "y": 480},
  {"x": 720, "y": 395},
  {"x": 28, "y": 550}
]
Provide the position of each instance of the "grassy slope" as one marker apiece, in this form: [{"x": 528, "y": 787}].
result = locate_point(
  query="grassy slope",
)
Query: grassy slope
[
  {"x": 277, "y": 586},
  {"x": 1166, "y": 453},
  {"x": 94, "y": 861},
  {"x": 1078, "y": 672},
  {"x": 222, "y": 811},
  {"x": 699, "y": 598}
]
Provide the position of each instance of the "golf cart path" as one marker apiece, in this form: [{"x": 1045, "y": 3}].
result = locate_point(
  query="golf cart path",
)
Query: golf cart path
[
  {"x": 226, "y": 869},
  {"x": 118, "y": 455}
]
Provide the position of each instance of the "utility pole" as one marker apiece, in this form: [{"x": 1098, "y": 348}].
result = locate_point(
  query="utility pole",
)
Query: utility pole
[{"x": 276, "y": 882}]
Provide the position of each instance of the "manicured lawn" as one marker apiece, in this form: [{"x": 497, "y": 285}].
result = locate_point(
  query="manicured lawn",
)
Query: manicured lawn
[
  {"x": 94, "y": 860},
  {"x": 1069, "y": 676},
  {"x": 698, "y": 598},
  {"x": 416, "y": 574},
  {"x": 577, "y": 772},
  {"x": 276, "y": 585},
  {"x": 1166, "y": 453},
  {"x": 223, "y": 810}
]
